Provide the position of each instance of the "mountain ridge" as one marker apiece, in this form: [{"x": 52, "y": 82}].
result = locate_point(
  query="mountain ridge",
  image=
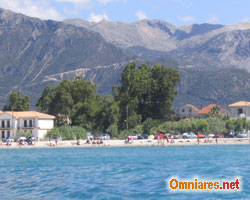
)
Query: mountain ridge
[
  {"x": 200, "y": 45},
  {"x": 35, "y": 53}
]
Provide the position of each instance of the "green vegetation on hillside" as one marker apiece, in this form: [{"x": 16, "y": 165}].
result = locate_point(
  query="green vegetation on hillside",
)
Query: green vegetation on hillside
[{"x": 203, "y": 87}]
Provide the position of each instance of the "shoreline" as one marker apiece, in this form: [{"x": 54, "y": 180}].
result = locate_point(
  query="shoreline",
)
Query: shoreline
[{"x": 135, "y": 143}]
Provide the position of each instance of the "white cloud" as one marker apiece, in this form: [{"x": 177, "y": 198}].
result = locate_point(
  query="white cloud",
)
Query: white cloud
[
  {"x": 33, "y": 8},
  {"x": 213, "y": 19},
  {"x": 140, "y": 15},
  {"x": 188, "y": 18},
  {"x": 97, "y": 18}
]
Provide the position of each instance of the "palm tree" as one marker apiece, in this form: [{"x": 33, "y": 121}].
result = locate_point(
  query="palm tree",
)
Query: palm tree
[{"x": 215, "y": 111}]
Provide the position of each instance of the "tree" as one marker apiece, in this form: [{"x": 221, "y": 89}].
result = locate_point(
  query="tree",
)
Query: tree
[
  {"x": 216, "y": 125},
  {"x": 202, "y": 125},
  {"x": 44, "y": 101},
  {"x": 215, "y": 112},
  {"x": 240, "y": 124},
  {"x": 148, "y": 124},
  {"x": 230, "y": 125},
  {"x": 17, "y": 103},
  {"x": 147, "y": 92},
  {"x": 76, "y": 103}
]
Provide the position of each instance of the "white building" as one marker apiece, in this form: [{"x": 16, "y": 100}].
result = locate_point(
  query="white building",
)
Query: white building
[
  {"x": 239, "y": 109},
  {"x": 12, "y": 123},
  {"x": 187, "y": 111}
]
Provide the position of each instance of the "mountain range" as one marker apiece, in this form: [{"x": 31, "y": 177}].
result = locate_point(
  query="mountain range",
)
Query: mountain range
[
  {"x": 213, "y": 60},
  {"x": 197, "y": 45}
]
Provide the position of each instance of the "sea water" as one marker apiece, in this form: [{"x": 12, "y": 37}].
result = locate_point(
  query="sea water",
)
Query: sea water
[{"x": 119, "y": 173}]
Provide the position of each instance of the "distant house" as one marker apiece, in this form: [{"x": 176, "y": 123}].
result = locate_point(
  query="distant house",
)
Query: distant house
[
  {"x": 206, "y": 111},
  {"x": 13, "y": 122},
  {"x": 187, "y": 111},
  {"x": 190, "y": 111},
  {"x": 239, "y": 109}
]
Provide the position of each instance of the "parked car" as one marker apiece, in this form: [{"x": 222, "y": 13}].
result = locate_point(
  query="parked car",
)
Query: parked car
[
  {"x": 139, "y": 137},
  {"x": 189, "y": 135},
  {"x": 242, "y": 135},
  {"x": 159, "y": 136},
  {"x": 145, "y": 136},
  {"x": 90, "y": 137},
  {"x": 32, "y": 139},
  {"x": 218, "y": 135},
  {"x": 54, "y": 138},
  {"x": 105, "y": 137},
  {"x": 3, "y": 139},
  {"x": 230, "y": 135},
  {"x": 211, "y": 135},
  {"x": 9, "y": 139},
  {"x": 176, "y": 136},
  {"x": 201, "y": 135},
  {"x": 134, "y": 137}
]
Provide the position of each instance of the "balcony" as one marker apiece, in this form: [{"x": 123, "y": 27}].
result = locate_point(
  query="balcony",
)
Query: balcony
[{"x": 6, "y": 127}]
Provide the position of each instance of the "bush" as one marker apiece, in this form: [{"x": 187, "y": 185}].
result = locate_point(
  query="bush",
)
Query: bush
[{"x": 68, "y": 133}]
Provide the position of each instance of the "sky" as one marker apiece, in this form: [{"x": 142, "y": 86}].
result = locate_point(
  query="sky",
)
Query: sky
[{"x": 177, "y": 12}]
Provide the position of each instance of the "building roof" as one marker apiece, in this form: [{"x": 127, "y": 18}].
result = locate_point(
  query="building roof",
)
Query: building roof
[
  {"x": 207, "y": 109},
  {"x": 28, "y": 114},
  {"x": 240, "y": 103},
  {"x": 193, "y": 107}
]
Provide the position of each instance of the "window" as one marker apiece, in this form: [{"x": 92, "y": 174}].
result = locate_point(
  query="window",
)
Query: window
[
  {"x": 30, "y": 123},
  {"x": 183, "y": 110},
  {"x": 8, "y": 133},
  {"x": 8, "y": 123},
  {"x": 3, "y": 124},
  {"x": 25, "y": 123},
  {"x": 240, "y": 111},
  {"x": 3, "y": 135}
]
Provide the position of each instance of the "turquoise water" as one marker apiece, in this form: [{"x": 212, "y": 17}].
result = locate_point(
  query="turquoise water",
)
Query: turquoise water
[{"x": 119, "y": 173}]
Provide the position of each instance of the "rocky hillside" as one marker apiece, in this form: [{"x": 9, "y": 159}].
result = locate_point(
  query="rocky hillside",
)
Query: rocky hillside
[
  {"x": 34, "y": 53},
  {"x": 197, "y": 45},
  {"x": 203, "y": 87}
]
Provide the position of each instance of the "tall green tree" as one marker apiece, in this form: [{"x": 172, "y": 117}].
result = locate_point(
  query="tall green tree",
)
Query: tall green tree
[
  {"x": 17, "y": 103},
  {"x": 146, "y": 91},
  {"x": 76, "y": 103}
]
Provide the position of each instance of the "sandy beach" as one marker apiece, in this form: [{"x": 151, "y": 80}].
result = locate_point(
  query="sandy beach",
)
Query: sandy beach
[{"x": 121, "y": 143}]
